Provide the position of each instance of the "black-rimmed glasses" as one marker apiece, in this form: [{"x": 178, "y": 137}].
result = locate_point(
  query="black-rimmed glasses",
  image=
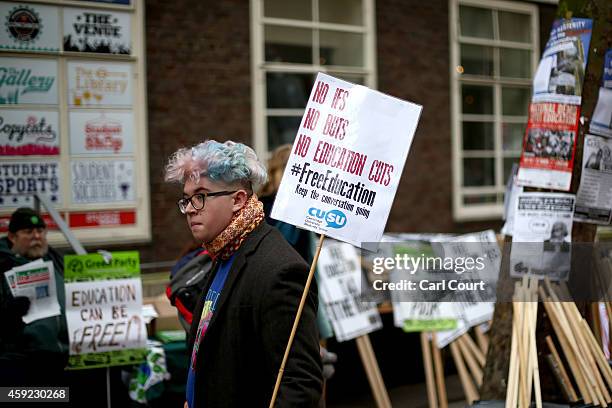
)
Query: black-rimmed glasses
[{"x": 199, "y": 199}]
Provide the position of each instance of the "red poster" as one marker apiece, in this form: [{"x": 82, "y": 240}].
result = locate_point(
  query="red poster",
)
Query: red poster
[
  {"x": 549, "y": 146},
  {"x": 102, "y": 218}
]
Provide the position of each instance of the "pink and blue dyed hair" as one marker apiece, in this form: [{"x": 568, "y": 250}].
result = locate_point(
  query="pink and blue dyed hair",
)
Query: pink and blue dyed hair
[{"x": 227, "y": 162}]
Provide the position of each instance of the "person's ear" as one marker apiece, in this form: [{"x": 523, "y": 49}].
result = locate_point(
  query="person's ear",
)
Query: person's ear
[
  {"x": 240, "y": 199},
  {"x": 12, "y": 237}
]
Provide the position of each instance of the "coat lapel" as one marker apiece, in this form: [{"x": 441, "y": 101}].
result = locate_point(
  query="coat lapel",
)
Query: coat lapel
[{"x": 248, "y": 246}]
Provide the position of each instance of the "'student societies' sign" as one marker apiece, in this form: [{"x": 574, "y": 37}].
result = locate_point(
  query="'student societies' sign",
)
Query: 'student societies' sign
[
  {"x": 346, "y": 161},
  {"x": 103, "y": 310},
  {"x": 102, "y": 181}
]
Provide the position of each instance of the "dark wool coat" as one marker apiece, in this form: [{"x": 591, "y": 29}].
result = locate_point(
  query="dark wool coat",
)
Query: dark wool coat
[{"x": 243, "y": 347}]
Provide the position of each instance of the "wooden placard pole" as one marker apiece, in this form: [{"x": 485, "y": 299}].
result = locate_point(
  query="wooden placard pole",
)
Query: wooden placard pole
[
  {"x": 296, "y": 321},
  {"x": 432, "y": 396},
  {"x": 363, "y": 344},
  {"x": 439, "y": 369},
  {"x": 366, "y": 352}
]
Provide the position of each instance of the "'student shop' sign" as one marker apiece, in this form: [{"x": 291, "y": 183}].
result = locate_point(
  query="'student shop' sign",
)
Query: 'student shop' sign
[
  {"x": 25, "y": 133},
  {"x": 101, "y": 133}
]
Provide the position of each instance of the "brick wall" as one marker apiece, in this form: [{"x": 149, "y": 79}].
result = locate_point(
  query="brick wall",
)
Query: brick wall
[{"x": 199, "y": 86}]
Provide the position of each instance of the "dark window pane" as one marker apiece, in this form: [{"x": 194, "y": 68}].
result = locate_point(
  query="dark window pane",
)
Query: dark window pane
[
  {"x": 514, "y": 26},
  {"x": 480, "y": 199},
  {"x": 476, "y": 22},
  {"x": 512, "y": 135},
  {"x": 287, "y": 44},
  {"x": 478, "y": 172},
  {"x": 355, "y": 79},
  {"x": 288, "y": 90},
  {"x": 282, "y": 130},
  {"x": 515, "y": 101},
  {"x": 515, "y": 63},
  {"x": 477, "y": 99},
  {"x": 478, "y": 136},
  {"x": 294, "y": 9},
  {"x": 477, "y": 60},
  {"x": 341, "y": 11},
  {"x": 340, "y": 48}
]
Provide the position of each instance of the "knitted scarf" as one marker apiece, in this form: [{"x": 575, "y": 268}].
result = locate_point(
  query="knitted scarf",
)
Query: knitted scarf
[{"x": 243, "y": 222}]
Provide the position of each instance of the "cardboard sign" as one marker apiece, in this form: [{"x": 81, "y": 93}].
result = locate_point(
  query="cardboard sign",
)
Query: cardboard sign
[
  {"x": 28, "y": 81},
  {"x": 102, "y": 181},
  {"x": 103, "y": 310},
  {"x": 346, "y": 161},
  {"x": 100, "y": 133},
  {"x": 99, "y": 84},
  {"x": 20, "y": 180},
  {"x": 339, "y": 278},
  {"x": 24, "y": 133},
  {"x": 30, "y": 27},
  {"x": 99, "y": 31}
]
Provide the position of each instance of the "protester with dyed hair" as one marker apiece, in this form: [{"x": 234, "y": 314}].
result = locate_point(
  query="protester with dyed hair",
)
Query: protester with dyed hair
[{"x": 244, "y": 316}]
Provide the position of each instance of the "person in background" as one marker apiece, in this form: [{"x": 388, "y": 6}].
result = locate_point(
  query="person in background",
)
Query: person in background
[
  {"x": 303, "y": 241},
  {"x": 36, "y": 353},
  {"x": 245, "y": 313}
]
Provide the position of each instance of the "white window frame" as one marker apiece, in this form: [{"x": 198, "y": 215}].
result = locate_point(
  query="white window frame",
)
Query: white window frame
[
  {"x": 259, "y": 67},
  {"x": 461, "y": 211},
  {"x": 140, "y": 232}
]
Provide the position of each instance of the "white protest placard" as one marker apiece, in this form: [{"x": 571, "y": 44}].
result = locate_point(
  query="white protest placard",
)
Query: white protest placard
[
  {"x": 25, "y": 132},
  {"x": 31, "y": 27},
  {"x": 101, "y": 133},
  {"x": 346, "y": 162},
  {"x": 100, "y": 84},
  {"x": 339, "y": 287},
  {"x": 104, "y": 315},
  {"x": 28, "y": 81},
  {"x": 19, "y": 180},
  {"x": 99, "y": 31},
  {"x": 102, "y": 181}
]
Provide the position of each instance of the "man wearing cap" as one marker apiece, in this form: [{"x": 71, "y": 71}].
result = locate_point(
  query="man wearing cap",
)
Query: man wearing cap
[{"x": 35, "y": 353}]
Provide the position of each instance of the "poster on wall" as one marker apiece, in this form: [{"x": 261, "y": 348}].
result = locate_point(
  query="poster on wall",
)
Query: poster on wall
[
  {"x": 549, "y": 146},
  {"x": 102, "y": 181},
  {"x": 24, "y": 133},
  {"x": 104, "y": 310},
  {"x": 101, "y": 133},
  {"x": 347, "y": 160},
  {"x": 99, "y": 31},
  {"x": 594, "y": 197},
  {"x": 20, "y": 180},
  {"x": 560, "y": 75},
  {"x": 99, "y": 84},
  {"x": 28, "y": 81},
  {"x": 29, "y": 27}
]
